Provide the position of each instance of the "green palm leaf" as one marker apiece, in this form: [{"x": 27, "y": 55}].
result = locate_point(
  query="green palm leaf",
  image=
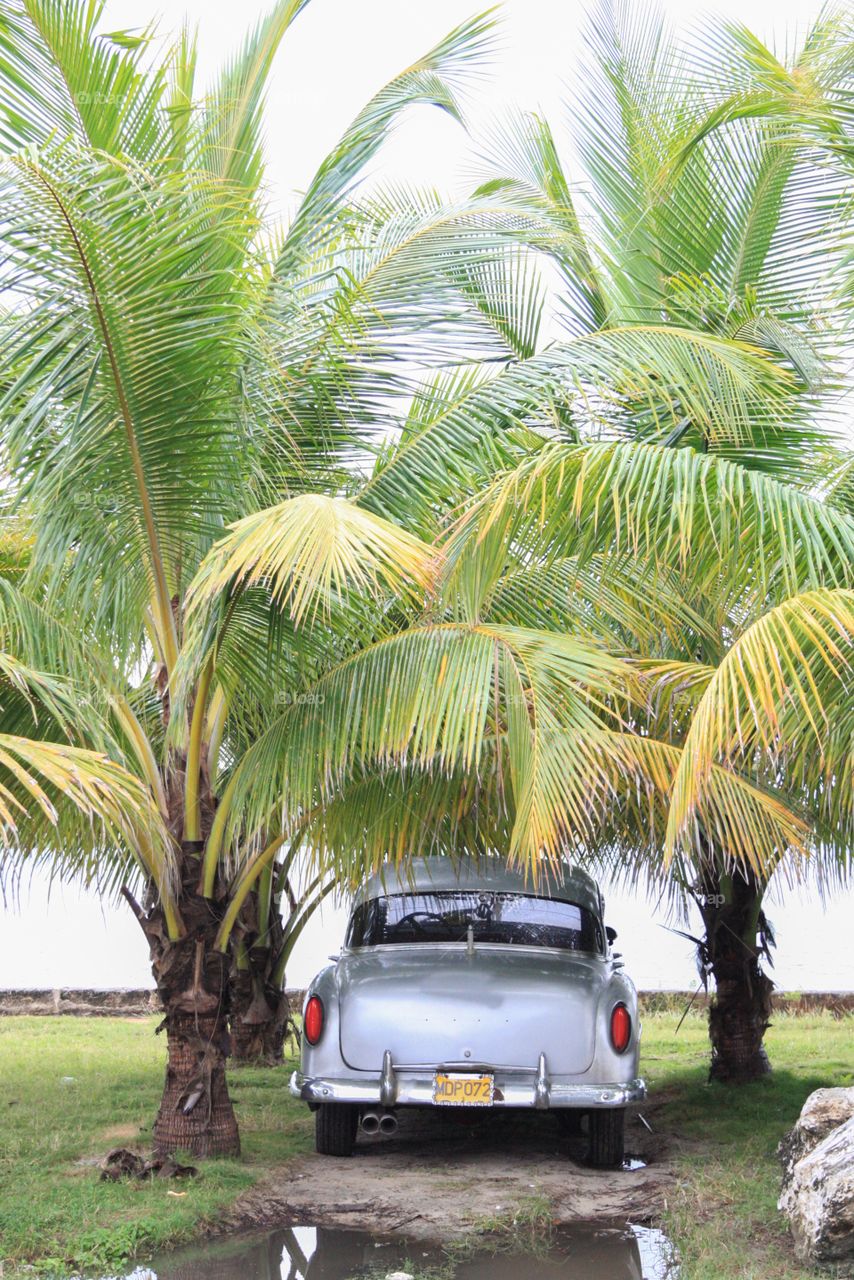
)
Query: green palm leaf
[
  {"x": 131, "y": 345},
  {"x": 65, "y": 805},
  {"x": 522, "y": 149},
  {"x": 60, "y": 78},
  {"x": 692, "y": 512},
  {"x": 595, "y": 385},
  {"x": 231, "y": 133},
  {"x": 429, "y": 695},
  {"x": 434, "y": 79}
]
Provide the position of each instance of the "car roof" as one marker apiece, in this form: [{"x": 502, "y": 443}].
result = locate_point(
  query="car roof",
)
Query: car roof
[{"x": 488, "y": 873}]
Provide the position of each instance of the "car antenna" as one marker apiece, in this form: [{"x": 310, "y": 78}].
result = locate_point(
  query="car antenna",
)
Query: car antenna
[{"x": 470, "y": 939}]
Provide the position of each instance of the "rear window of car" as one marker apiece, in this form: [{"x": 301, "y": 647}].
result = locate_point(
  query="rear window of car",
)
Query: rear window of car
[{"x": 507, "y": 918}]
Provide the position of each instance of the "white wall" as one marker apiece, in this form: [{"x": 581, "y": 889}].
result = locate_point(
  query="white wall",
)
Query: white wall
[{"x": 68, "y": 939}]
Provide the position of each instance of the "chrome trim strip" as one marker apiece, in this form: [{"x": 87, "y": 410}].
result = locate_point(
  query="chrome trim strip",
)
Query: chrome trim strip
[
  {"x": 463, "y": 1064},
  {"x": 529, "y": 948}
]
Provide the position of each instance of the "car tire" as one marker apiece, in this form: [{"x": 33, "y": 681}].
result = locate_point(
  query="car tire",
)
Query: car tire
[
  {"x": 606, "y": 1130},
  {"x": 335, "y": 1125}
]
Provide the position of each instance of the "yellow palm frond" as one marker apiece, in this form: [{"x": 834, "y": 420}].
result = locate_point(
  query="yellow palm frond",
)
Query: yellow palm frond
[
  {"x": 311, "y": 549},
  {"x": 783, "y": 695},
  {"x": 46, "y": 788}
]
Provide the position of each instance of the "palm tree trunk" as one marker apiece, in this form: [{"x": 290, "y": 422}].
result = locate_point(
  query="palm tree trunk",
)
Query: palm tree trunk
[
  {"x": 259, "y": 1008},
  {"x": 259, "y": 1020},
  {"x": 737, "y": 936},
  {"x": 195, "y": 1113}
]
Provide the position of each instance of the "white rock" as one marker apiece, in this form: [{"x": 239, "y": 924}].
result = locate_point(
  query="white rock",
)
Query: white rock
[
  {"x": 818, "y": 1198},
  {"x": 400, "y": 1275},
  {"x": 822, "y": 1112},
  {"x": 825, "y": 1109}
]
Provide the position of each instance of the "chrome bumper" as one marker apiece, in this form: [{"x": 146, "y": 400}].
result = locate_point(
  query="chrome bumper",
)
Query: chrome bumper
[{"x": 409, "y": 1085}]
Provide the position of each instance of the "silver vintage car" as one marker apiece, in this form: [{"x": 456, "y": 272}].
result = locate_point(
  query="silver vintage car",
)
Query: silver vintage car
[{"x": 461, "y": 984}]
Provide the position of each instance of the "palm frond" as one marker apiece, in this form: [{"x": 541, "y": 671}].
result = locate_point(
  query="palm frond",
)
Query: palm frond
[
  {"x": 60, "y": 803},
  {"x": 130, "y": 343},
  {"x": 509, "y": 292},
  {"x": 289, "y": 591},
  {"x": 722, "y": 527},
  {"x": 50, "y": 775},
  {"x": 181, "y": 77},
  {"x": 623, "y": 604},
  {"x": 231, "y": 131},
  {"x": 597, "y": 385},
  {"x": 391, "y": 815},
  {"x": 808, "y": 94},
  {"x": 783, "y": 697},
  {"x": 522, "y": 150},
  {"x": 434, "y": 79},
  {"x": 429, "y": 696},
  {"x": 738, "y": 821},
  {"x": 60, "y": 78},
  {"x": 310, "y": 550}
]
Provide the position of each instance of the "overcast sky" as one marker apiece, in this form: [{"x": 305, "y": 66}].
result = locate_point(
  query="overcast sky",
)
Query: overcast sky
[
  {"x": 339, "y": 52},
  {"x": 336, "y": 55}
]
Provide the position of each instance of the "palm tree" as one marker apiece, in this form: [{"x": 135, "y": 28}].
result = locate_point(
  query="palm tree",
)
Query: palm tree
[
  {"x": 706, "y": 205},
  {"x": 187, "y": 397},
  {"x": 720, "y": 761},
  {"x": 171, "y": 369},
  {"x": 171, "y": 362}
]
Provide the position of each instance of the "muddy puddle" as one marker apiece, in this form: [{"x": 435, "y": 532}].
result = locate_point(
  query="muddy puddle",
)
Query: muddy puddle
[{"x": 580, "y": 1252}]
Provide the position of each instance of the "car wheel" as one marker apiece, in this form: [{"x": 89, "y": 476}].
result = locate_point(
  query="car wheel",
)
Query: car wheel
[
  {"x": 606, "y": 1130},
  {"x": 335, "y": 1125}
]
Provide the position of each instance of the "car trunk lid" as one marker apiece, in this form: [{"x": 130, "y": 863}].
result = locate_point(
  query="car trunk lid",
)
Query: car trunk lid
[{"x": 498, "y": 1006}]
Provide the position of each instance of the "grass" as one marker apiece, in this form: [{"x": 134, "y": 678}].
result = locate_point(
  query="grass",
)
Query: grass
[
  {"x": 723, "y": 1215},
  {"x": 72, "y": 1088}
]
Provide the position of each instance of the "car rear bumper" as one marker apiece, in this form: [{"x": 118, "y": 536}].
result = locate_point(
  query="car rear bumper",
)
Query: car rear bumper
[{"x": 413, "y": 1086}]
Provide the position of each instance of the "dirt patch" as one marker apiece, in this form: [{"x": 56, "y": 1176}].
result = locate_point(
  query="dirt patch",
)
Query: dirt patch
[
  {"x": 120, "y": 1133},
  {"x": 444, "y": 1176}
]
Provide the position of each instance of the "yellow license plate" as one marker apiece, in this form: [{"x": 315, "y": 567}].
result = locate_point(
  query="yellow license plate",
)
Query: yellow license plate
[{"x": 455, "y": 1089}]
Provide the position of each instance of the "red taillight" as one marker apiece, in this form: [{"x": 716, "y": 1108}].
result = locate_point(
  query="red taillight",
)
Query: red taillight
[
  {"x": 312, "y": 1023},
  {"x": 621, "y": 1028}
]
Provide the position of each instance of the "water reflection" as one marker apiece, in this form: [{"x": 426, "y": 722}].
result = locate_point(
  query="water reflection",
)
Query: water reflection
[{"x": 583, "y": 1252}]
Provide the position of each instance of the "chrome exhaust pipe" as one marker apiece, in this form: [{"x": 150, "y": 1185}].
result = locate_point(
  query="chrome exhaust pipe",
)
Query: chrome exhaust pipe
[
  {"x": 388, "y": 1124},
  {"x": 370, "y": 1122}
]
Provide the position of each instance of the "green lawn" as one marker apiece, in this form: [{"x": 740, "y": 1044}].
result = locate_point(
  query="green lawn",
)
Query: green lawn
[
  {"x": 723, "y": 1216},
  {"x": 54, "y": 1210},
  {"x": 72, "y": 1088}
]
